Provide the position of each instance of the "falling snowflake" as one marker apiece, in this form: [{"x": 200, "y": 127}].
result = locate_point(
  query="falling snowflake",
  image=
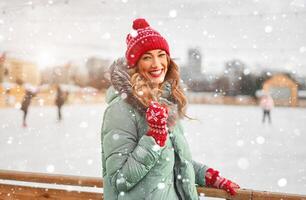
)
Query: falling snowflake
[
  {"x": 116, "y": 136},
  {"x": 297, "y": 132},
  {"x": 18, "y": 105},
  {"x": 83, "y": 124},
  {"x": 240, "y": 143},
  {"x": 124, "y": 95},
  {"x": 246, "y": 71},
  {"x": 89, "y": 162},
  {"x": 243, "y": 163},
  {"x": 268, "y": 29},
  {"x": 161, "y": 186},
  {"x": 172, "y": 13},
  {"x": 120, "y": 180},
  {"x": 41, "y": 102},
  {"x": 10, "y": 140},
  {"x": 185, "y": 180},
  {"x": 260, "y": 140},
  {"x": 50, "y": 168},
  {"x": 160, "y": 23},
  {"x": 282, "y": 182},
  {"x": 302, "y": 49},
  {"x": 156, "y": 147}
]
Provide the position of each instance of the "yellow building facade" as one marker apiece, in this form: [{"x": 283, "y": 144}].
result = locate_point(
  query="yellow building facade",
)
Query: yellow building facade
[
  {"x": 15, "y": 72},
  {"x": 19, "y": 71}
]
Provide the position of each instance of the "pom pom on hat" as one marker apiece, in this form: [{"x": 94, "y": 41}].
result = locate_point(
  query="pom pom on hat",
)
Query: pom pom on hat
[
  {"x": 146, "y": 39},
  {"x": 140, "y": 23}
]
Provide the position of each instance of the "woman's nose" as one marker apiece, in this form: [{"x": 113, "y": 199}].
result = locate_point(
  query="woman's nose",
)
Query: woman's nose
[{"x": 156, "y": 62}]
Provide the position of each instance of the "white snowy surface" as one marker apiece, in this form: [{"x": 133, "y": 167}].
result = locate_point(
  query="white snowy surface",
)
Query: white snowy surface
[{"x": 231, "y": 139}]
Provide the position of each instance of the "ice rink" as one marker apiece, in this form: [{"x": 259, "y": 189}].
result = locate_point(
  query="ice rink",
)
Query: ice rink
[{"x": 229, "y": 138}]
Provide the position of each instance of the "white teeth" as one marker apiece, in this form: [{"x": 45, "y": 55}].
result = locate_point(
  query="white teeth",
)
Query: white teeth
[{"x": 156, "y": 72}]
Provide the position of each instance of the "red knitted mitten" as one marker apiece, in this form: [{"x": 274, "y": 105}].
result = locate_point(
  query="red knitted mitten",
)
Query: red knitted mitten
[
  {"x": 156, "y": 117},
  {"x": 213, "y": 179}
]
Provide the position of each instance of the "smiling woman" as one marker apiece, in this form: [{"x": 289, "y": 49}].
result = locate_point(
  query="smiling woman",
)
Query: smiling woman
[
  {"x": 151, "y": 72},
  {"x": 153, "y": 65},
  {"x": 144, "y": 152}
]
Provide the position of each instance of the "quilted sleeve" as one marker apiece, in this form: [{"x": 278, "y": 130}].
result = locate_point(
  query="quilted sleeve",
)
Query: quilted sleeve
[{"x": 127, "y": 159}]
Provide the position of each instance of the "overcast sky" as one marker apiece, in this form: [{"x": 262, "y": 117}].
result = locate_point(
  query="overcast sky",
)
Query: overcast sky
[{"x": 261, "y": 33}]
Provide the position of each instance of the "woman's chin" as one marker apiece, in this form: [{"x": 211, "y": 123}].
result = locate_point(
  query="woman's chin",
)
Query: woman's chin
[{"x": 157, "y": 81}]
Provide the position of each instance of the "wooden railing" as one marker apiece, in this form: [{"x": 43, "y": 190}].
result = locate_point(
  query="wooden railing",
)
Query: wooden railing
[{"x": 19, "y": 185}]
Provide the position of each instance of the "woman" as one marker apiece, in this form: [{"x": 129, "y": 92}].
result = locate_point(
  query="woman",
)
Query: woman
[
  {"x": 267, "y": 104},
  {"x": 26, "y": 101},
  {"x": 60, "y": 100},
  {"x": 144, "y": 152}
]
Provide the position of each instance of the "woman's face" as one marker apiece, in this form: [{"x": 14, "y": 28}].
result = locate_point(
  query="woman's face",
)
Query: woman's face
[{"x": 153, "y": 65}]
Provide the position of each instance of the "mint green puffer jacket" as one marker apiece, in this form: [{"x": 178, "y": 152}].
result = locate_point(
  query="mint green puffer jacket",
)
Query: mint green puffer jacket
[{"x": 134, "y": 166}]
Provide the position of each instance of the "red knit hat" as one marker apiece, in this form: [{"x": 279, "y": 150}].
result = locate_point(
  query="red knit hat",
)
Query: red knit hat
[{"x": 145, "y": 39}]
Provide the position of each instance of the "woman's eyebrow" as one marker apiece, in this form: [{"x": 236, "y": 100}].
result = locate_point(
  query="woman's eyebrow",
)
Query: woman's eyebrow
[
  {"x": 151, "y": 54},
  {"x": 148, "y": 53}
]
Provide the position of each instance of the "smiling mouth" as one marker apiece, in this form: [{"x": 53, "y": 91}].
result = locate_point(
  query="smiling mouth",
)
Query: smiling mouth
[{"x": 156, "y": 73}]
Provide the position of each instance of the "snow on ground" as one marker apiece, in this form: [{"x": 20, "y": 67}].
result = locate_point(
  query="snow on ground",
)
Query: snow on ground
[{"x": 231, "y": 139}]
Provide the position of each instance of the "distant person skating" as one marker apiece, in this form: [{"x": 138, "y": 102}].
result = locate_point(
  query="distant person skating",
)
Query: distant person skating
[
  {"x": 26, "y": 101},
  {"x": 267, "y": 104},
  {"x": 60, "y": 99}
]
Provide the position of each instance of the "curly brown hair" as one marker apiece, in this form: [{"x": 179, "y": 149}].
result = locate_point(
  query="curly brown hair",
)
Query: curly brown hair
[{"x": 145, "y": 93}]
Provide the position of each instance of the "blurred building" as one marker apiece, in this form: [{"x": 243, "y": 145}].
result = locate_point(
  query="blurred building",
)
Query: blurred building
[
  {"x": 2, "y": 70},
  {"x": 195, "y": 61},
  {"x": 19, "y": 71},
  {"x": 57, "y": 74},
  {"x": 98, "y": 72},
  {"x": 191, "y": 73},
  {"x": 65, "y": 74},
  {"x": 233, "y": 74},
  {"x": 283, "y": 90},
  {"x": 193, "y": 68}
]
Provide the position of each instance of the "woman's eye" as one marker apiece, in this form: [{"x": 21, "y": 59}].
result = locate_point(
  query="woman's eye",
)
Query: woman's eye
[
  {"x": 146, "y": 58},
  {"x": 161, "y": 55}
]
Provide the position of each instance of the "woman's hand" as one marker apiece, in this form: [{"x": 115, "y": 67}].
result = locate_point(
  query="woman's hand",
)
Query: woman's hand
[
  {"x": 213, "y": 179},
  {"x": 229, "y": 186},
  {"x": 156, "y": 116}
]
